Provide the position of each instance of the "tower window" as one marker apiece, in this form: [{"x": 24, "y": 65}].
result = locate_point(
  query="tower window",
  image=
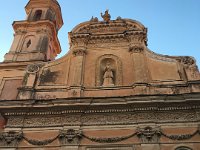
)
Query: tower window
[
  {"x": 28, "y": 44},
  {"x": 38, "y": 15}
]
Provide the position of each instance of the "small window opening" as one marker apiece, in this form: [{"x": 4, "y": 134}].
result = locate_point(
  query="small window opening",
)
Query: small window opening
[
  {"x": 38, "y": 15},
  {"x": 28, "y": 44}
]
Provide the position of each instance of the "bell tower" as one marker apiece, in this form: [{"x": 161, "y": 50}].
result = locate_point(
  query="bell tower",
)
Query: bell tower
[{"x": 35, "y": 38}]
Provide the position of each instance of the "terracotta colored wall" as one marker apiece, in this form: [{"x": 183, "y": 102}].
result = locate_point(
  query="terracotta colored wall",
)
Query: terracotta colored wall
[{"x": 10, "y": 91}]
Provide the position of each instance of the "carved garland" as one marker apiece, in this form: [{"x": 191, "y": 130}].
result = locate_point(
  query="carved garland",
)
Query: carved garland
[
  {"x": 40, "y": 143},
  {"x": 110, "y": 139},
  {"x": 69, "y": 136}
]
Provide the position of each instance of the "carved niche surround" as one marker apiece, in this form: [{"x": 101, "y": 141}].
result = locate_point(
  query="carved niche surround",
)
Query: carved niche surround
[{"x": 115, "y": 62}]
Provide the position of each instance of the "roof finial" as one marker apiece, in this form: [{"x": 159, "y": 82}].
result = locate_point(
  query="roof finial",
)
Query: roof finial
[{"x": 106, "y": 17}]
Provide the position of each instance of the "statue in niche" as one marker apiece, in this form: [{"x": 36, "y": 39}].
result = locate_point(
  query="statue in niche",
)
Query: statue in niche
[{"x": 108, "y": 76}]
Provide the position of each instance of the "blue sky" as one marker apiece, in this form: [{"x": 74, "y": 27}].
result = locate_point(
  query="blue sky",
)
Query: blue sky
[{"x": 173, "y": 25}]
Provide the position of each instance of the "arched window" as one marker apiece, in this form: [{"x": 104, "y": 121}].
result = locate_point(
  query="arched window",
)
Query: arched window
[
  {"x": 183, "y": 148},
  {"x": 38, "y": 15}
]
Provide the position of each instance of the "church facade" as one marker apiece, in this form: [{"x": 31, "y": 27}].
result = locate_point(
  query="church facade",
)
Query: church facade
[{"x": 109, "y": 92}]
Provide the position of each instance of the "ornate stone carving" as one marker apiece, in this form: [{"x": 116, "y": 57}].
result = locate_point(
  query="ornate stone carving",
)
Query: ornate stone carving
[
  {"x": 149, "y": 134},
  {"x": 94, "y": 19},
  {"x": 187, "y": 60},
  {"x": 40, "y": 143},
  {"x": 79, "y": 52},
  {"x": 15, "y": 122},
  {"x": 109, "y": 139},
  {"x": 136, "y": 37},
  {"x": 70, "y": 136},
  {"x": 180, "y": 137},
  {"x": 78, "y": 41},
  {"x": 136, "y": 49},
  {"x": 10, "y": 139},
  {"x": 41, "y": 120},
  {"x": 33, "y": 68}
]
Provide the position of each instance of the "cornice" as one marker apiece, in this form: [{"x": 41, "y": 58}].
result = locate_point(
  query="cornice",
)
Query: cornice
[
  {"x": 15, "y": 65},
  {"x": 100, "y": 105}
]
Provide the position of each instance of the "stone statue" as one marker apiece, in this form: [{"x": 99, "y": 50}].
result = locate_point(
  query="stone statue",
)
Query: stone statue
[
  {"x": 108, "y": 76},
  {"x": 94, "y": 19},
  {"x": 106, "y": 17}
]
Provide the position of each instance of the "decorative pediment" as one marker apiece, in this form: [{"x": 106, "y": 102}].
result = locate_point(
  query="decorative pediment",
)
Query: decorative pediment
[{"x": 113, "y": 27}]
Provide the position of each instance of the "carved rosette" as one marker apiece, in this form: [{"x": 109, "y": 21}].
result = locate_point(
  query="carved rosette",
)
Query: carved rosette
[
  {"x": 10, "y": 139},
  {"x": 33, "y": 68},
  {"x": 70, "y": 136},
  {"x": 149, "y": 134}
]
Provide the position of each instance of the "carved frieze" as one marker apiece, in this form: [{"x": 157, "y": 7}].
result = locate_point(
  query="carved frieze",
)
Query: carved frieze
[
  {"x": 70, "y": 136},
  {"x": 42, "y": 121},
  {"x": 78, "y": 40},
  {"x": 103, "y": 119},
  {"x": 136, "y": 49},
  {"x": 149, "y": 134},
  {"x": 79, "y": 52},
  {"x": 74, "y": 136},
  {"x": 10, "y": 139},
  {"x": 135, "y": 37}
]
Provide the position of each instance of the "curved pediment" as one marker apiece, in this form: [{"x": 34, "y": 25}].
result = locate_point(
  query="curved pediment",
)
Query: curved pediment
[{"x": 113, "y": 27}]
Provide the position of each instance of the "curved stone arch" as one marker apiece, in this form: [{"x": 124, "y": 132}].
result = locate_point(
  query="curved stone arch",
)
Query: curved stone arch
[{"x": 117, "y": 65}]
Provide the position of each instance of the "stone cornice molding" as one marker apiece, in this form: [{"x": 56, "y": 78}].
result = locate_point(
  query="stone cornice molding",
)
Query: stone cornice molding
[{"x": 128, "y": 104}]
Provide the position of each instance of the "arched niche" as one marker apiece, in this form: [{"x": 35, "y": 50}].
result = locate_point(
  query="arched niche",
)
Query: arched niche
[{"x": 108, "y": 66}]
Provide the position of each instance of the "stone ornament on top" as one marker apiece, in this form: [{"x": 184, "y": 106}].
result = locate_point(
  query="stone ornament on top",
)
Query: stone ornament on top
[{"x": 106, "y": 17}]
